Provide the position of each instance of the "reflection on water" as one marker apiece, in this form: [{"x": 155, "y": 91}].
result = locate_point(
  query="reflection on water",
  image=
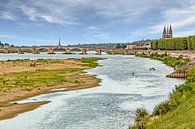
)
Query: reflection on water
[{"x": 109, "y": 106}]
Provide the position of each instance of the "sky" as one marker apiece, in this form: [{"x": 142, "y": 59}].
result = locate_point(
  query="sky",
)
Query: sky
[{"x": 42, "y": 22}]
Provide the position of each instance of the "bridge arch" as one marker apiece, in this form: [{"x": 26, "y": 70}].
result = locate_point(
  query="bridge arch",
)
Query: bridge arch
[
  {"x": 82, "y": 50},
  {"x": 42, "y": 49}
]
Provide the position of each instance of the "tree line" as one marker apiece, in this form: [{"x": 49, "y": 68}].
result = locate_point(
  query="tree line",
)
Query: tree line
[{"x": 183, "y": 43}]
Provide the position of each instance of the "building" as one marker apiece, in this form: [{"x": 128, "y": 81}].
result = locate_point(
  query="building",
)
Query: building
[
  {"x": 167, "y": 32},
  {"x": 131, "y": 46},
  {"x": 143, "y": 45}
]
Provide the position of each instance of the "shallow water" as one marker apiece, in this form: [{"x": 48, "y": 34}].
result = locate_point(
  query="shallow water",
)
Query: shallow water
[{"x": 109, "y": 106}]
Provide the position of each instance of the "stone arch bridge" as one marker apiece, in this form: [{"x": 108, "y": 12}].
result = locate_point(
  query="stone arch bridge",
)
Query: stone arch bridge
[{"x": 51, "y": 49}]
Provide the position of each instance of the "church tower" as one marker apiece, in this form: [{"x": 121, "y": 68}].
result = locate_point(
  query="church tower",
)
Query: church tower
[
  {"x": 170, "y": 32},
  {"x": 164, "y": 33},
  {"x": 167, "y": 32}
]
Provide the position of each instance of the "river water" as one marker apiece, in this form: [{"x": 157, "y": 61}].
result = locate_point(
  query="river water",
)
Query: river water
[{"x": 108, "y": 106}]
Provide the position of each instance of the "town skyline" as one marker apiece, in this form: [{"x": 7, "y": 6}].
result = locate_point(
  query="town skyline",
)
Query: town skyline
[{"x": 83, "y": 21}]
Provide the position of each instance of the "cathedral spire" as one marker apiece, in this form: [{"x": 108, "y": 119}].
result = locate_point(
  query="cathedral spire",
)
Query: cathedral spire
[
  {"x": 167, "y": 32},
  {"x": 59, "y": 44},
  {"x": 170, "y": 30},
  {"x": 164, "y": 31}
]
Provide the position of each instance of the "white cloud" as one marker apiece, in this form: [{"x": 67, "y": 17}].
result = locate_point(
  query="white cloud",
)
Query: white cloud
[
  {"x": 7, "y": 15},
  {"x": 179, "y": 17},
  {"x": 99, "y": 14},
  {"x": 68, "y": 11},
  {"x": 189, "y": 32}
]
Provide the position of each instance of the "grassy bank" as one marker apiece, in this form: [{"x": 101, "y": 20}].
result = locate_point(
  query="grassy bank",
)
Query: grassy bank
[
  {"x": 20, "y": 79},
  {"x": 178, "y": 111},
  {"x": 90, "y": 62},
  {"x": 31, "y": 79},
  {"x": 168, "y": 60}
]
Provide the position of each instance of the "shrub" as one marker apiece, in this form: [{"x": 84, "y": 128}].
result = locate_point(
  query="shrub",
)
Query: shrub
[
  {"x": 141, "y": 116},
  {"x": 162, "y": 108}
]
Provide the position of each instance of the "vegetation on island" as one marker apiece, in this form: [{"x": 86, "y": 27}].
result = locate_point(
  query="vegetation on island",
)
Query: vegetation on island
[
  {"x": 31, "y": 79},
  {"x": 178, "y": 111},
  {"x": 90, "y": 62},
  {"x": 24, "y": 78},
  {"x": 183, "y": 43},
  {"x": 42, "y": 77}
]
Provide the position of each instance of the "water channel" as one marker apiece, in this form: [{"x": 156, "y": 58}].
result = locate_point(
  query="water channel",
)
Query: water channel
[{"x": 108, "y": 106}]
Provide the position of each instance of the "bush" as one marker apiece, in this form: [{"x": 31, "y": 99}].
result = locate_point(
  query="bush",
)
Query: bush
[
  {"x": 170, "y": 61},
  {"x": 141, "y": 116},
  {"x": 162, "y": 108}
]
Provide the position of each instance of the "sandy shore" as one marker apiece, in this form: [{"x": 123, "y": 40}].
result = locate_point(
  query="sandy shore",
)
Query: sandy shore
[{"x": 74, "y": 80}]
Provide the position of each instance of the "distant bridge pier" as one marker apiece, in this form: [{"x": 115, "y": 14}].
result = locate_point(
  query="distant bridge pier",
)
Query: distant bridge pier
[
  {"x": 68, "y": 51},
  {"x": 50, "y": 51},
  {"x": 99, "y": 51},
  {"x": 19, "y": 50},
  {"x": 84, "y": 51},
  {"x": 35, "y": 51}
]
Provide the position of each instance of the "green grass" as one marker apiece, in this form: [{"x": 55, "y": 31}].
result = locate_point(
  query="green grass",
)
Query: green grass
[
  {"x": 30, "y": 79},
  {"x": 178, "y": 112},
  {"x": 183, "y": 117},
  {"x": 180, "y": 105},
  {"x": 168, "y": 60},
  {"x": 90, "y": 62}
]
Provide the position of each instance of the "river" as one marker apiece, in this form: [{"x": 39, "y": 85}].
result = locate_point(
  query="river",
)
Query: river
[{"x": 108, "y": 106}]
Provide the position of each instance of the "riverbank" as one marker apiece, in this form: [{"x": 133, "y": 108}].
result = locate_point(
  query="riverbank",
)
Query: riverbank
[
  {"x": 178, "y": 110},
  {"x": 26, "y": 78},
  {"x": 174, "y": 62}
]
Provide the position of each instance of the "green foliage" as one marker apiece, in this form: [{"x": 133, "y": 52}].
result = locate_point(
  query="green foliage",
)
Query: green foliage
[
  {"x": 30, "y": 79},
  {"x": 120, "y": 46},
  {"x": 182, "y": 117},
  {"x": 191, "y": 42},
  {"x": 174, "y": 112},
  {"x": 141, "y": 116},
  {"x": 168, "y": 60},
  {"x": 162, "y": 108},
  {"x": 27, "y": 80},
  {"x": 90, "y": 62},
  {"x": 182, "y": 43},
  {"x": 178, "y": 97}
]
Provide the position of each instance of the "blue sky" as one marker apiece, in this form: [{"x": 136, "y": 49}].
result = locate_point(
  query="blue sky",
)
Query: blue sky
[{"x": 41, "y": 22}]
